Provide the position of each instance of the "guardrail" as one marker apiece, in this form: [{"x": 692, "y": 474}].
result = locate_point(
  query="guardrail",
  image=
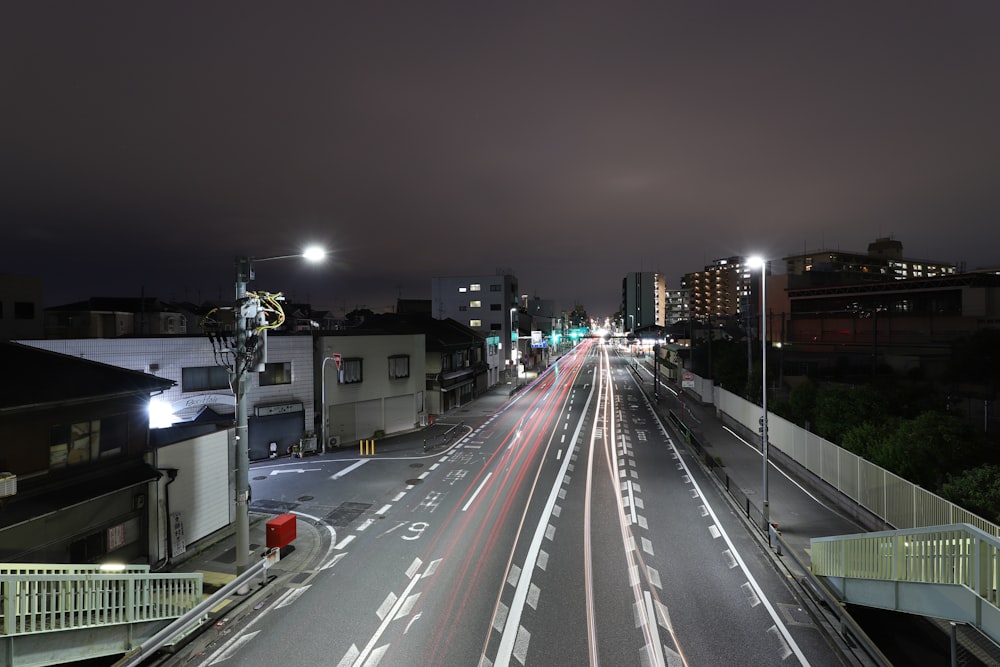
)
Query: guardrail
[{"x": 37, "y": 598}]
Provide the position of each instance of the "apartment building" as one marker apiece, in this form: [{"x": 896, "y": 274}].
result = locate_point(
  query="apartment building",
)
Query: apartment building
[
  {"x": 644, "y": 300},
  {"x": 487, "y": 304}
]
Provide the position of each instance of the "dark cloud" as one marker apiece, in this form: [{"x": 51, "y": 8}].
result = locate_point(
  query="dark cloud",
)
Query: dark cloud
[{"x": 144, "y": 147}]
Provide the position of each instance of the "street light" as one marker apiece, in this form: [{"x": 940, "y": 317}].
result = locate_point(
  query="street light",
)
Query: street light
[
  {"x": 247, "y": 313},
  {"x": 753, "y": 263},
  {"x": 514, "y": 335}
]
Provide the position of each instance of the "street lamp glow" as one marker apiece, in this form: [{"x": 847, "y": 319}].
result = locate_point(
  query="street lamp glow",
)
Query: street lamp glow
[
  {"x": 314, "y": 253},
  {"x": 755, "y": 262}
]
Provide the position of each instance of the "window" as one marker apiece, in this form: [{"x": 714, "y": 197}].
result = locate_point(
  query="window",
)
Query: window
[
  {"x": 24, "y": 310},
  {"x": 475, "y": 287},
  {"x": 463, "y": 308},
  {"x": 85, "y": 441},
  {"x": 462, "y": 290},
  {"x": 351, "y": 370},
  {"x": 475, "y": 323},
  {"x": 399, "y": 366},
  {"x": 475, "y": 304},
  {"x": 494, "y": 306},
  {"x": 496, "y": 326},
  {"x": 496, "y": 287},
  {"x": 203, "y": 378},
  {"x": 277, "y": 373}
]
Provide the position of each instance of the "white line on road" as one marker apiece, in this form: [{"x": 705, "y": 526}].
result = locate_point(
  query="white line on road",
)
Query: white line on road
[
  {"x": 350, "y": 468},
  {"x": 478, "y": 489},
  {"x": 344, "y": 542}
]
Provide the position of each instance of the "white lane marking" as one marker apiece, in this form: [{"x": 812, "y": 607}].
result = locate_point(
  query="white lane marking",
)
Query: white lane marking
[
  {"x": 558, "y": 455},
  {"x": 521, "y": 594},
  {"x": 290, "y": 596},
  {"x": 350, "y": 468},
  {"x": 651, "y": 613},
  {"x": 278, "y": 472},
  {"x": 390, "y": 616},
  {"x": 784, "y": 474},
  {"x": 480, "y": 488},
  {"x": 424, "y": 474},
  {"x": 399, "y": 496},
  {"x": 344, "y": 542},
  {"x": 333, "y": 561},
  {"x": 230, "y": 650},
  {"x": 735, "y": 555},
  {"x": 384, "y": 509},
  {"x": 631, "y": 501},
  {"x": 366, "y": 523}
]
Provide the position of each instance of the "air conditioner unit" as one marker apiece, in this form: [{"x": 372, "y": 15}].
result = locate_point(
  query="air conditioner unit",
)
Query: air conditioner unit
[
  {"x": 152, "y": 368},
  {"x": 8, "y": 484},
  {"x": 333, "y": 441}
]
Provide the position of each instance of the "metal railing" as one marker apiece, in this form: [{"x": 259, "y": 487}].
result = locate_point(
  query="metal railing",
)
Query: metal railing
[
  {"x": 948, "y": 571},
  {"x": 36, "y": 598}
]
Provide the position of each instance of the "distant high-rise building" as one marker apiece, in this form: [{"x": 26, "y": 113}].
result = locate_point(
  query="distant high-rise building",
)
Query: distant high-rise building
[
  {"x": 725, "y": 288},
  {"x": 644, "y": 300},
  {"x": 678, "y": 308}
]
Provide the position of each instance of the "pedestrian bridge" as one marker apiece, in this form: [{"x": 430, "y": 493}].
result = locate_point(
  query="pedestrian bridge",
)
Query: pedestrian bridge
[
  {"x": 52, "y": 614},
  {"x": 948, "y": 572}
]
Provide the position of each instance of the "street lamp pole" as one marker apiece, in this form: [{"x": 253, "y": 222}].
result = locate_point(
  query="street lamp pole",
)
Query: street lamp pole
[
  {"x": 765, "y": 508},
  {"x": 514, "y": 335},
  {"x": 246, "y": 311},
  {"x": 322, "y": 391}
]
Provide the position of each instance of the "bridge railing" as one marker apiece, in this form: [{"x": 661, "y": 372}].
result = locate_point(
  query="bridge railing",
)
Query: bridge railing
[
  {"x": 39, "y": 598},
  {"x": 958, "y": 554}
]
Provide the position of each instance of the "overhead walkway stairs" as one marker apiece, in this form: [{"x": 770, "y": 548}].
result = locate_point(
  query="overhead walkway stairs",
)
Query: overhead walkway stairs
[
  {"x": 948, "y": 572},
  {"x": 53, "y": 614}
]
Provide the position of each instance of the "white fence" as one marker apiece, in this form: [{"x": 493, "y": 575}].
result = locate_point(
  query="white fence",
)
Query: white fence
[
  {"x": 45, "y": 598},
  {"x": 899, "y": 503}
]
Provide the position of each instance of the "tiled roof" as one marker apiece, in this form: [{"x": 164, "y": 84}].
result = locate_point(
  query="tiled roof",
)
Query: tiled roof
[{"x": 35, "y": 377}]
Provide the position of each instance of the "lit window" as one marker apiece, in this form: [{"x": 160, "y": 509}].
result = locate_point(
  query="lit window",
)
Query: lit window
[
  {"x": 475, "y": 304},
  {"x": 462, "y": 289},
  {"x": 475, "y": 287},
  {"x": 475, "y": 323}
]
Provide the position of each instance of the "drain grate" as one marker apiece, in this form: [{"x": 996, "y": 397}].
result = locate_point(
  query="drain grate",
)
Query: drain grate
[{"x": 346, "y": 513}]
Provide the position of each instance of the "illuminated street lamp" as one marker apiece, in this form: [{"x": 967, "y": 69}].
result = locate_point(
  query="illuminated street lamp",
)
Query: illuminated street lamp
[
  {"x": 247, "y": 313},
  {"x": 753, "y": 263}
]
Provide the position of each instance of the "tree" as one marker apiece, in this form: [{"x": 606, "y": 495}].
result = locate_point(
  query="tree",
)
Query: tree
[
  {"x": 838, "y": 409},
  {"x": 927, "y": 449},
  {"x": 976, "y": 490}
]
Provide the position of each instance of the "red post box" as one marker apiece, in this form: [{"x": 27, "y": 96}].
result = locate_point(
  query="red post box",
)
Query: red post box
[{"x": 280, "y": 531}]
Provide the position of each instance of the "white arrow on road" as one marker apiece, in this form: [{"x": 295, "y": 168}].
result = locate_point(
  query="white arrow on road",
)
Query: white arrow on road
[{"x": 278, "y": 472}]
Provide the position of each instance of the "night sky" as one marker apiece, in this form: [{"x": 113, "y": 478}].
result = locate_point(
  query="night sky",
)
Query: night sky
[{"x": 145, "y": 145}]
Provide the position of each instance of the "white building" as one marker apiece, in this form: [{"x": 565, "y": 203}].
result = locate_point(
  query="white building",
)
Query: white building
[{"x": 487, "y": 304}]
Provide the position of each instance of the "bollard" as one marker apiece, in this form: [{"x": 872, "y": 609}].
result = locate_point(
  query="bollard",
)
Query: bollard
[{"x": 367, "y": 447}]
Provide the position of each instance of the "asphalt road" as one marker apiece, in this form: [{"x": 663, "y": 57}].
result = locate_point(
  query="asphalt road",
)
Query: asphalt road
[{"x": 567, "y": 529}]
